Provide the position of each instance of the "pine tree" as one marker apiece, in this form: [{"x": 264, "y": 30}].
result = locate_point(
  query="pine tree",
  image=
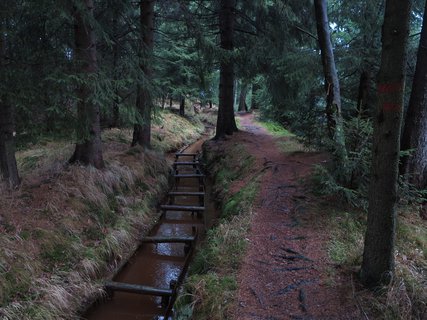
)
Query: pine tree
[
  {"x": 142, "y": 130},
  {"x": 88, "y": 149},
  {"x": 378, "y": 255},
  {"x": 226, "y": 123},
  {"x": 414, "y": 134}
]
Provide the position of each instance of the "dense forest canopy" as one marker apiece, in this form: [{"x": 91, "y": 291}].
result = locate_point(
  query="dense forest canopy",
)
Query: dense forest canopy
[{"x": 342, "y": 75}]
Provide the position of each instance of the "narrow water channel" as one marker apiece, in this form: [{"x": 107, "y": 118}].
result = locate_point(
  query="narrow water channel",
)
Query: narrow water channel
[{"x": 155, "y": 265}]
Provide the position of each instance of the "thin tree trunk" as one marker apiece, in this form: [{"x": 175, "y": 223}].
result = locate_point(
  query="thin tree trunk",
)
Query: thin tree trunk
[
  {"x": 415, "y": 129},
  {"x": 362, "y": 99},
  {"x": 254, "y": 104},
  {"x": 8, "y": 167},
  {"x": 378, "y": 255},
  {"x": 142, "y": 131},
  {"x": 210, "y": 104},
  {"x": 226, "y": 124},
  {"x": 170, "y": 102},
  {"x": 89, "y": 147},
  {"x": 242, "y": 99},
  {"x": 182, "y": 106},
  {"x": 332, "y": 87},
  {"x": 116, "y": 112},
  {"x": 163, "y": 101}
]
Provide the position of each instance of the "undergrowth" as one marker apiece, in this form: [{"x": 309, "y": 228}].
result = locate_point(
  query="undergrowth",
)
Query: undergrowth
[
  {"x": 406, "y": 296},
  {"x": 211, "y": 286},
  {"x": 68, "y": 227}
]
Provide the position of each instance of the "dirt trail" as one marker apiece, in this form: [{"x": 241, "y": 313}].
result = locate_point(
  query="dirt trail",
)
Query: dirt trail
[{"x": 286, "y": 273}]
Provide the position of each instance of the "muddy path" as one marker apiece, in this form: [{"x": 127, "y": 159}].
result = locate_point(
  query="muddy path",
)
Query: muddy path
[
  {"x": 286, "y": 273},
  {"x": 158, "y": 265}
]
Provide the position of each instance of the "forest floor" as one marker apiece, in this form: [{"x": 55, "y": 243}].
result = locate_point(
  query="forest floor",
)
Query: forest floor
[{"x": 286, "y": 272}]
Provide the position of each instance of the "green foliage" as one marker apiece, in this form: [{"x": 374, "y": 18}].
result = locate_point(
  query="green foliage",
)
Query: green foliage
[{"x": 349, "y": 180}]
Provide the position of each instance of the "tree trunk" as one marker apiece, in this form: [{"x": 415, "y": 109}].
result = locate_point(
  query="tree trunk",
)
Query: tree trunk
[
  {"x": 226, "y": 124},
  {"x": 170, "y": 102},
  {"x": 116, "y": 112},
  {"x": 142, "y": 131},
  {"x": 242, "y": 99},
  {"x": 89, "y": 147},
  {"x": 378, "y": 255},
  {"x": 210, "y": 104},
  {"x": 182, "y": 106},
  {"x": 163, "y": 101},
  {"x": 362, "y": 99},
  {"x": 8, "y": 167},
  {"x": 332, "y": 87},
  {"x": 415, "y": 129},
  {"x": 255, "y": 88}
]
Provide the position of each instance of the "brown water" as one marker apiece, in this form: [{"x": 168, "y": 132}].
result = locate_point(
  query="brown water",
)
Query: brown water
[{"x": 156, "y": 265}]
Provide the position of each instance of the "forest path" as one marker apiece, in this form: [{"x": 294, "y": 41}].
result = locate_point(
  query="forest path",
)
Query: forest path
[{"x": 286, "y": 272}]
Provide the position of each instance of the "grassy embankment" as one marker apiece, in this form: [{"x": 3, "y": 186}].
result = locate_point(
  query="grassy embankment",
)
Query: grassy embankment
[
  {"x": 211, "y": 284},
  {"x": 67, "y": 227}
]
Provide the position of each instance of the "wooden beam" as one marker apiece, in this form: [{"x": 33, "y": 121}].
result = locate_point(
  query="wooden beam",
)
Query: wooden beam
[
  {"x": 159, "y": 239},
  {"x": 181, "y": 208},
  {"x": 191, "y": 175},
  {"x": 186, "y": 163},
  {"x": 181, "y": 154},
  {"x": 136, "y": 288},
  {"x": 184, "y": 193}
]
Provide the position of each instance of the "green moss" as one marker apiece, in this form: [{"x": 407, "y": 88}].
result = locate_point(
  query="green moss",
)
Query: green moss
[
  {"x": 275, "y": 128},
  {"x": 241, "y": 200}
]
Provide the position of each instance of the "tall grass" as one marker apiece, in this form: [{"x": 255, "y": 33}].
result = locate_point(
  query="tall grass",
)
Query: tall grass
[{"x": 69, "y": 227}]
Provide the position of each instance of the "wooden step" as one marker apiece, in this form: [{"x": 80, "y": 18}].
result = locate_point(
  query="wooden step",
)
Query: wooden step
[
  {"x": 185, "y": 193},
  {"x": 186, "y": 163},
  {"x": 170, "y": 207},
  {"x": 182, "y": 154},
  {"x": 188, "y": 175},
  {"x": 159, "y": 239},
  {"x": 139, "y": 289}
]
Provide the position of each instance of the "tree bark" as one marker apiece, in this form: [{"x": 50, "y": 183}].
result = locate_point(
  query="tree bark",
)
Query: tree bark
[
  {"x": 378, "y": 255},
  {"x": 332, "y": 87},
  {"x": 415, "y": 129},
  {"x": 255, "y": 88},
  {"x": 182, "y": 107},
  {"x": 89, "y": 147},
  {"x": 242, "y": 99},
  {"x": 8, "y": 167},
  {"x": 116, "y": 112},
  {"x": 226, "y": 124},
  {"x": 142, "y": 131},
  {"x": 362, "y": 99}
]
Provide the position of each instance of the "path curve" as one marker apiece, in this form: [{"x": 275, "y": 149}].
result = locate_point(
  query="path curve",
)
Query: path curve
[{"x": 286, "y": 273}]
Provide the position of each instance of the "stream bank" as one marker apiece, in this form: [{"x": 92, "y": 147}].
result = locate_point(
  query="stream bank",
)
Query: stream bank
[
  {"x": 144, "y": 288},
  {"x": 69, "y": 226}
]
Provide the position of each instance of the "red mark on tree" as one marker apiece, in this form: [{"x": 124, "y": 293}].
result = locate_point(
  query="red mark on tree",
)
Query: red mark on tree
[
  {"x": 391, "y": 107},
  {"x": 390, "y": 87}
]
